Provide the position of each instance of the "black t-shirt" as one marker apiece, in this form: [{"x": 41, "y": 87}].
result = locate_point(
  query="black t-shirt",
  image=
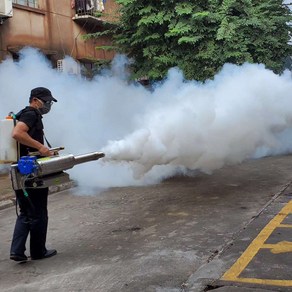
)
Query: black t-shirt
[{"x": 33, "y": 119}]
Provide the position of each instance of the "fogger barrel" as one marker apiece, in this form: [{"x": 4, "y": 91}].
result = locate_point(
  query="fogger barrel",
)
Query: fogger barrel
[
  {"x": 32, "y": 172},
  {"x": 48, "y": 165}
]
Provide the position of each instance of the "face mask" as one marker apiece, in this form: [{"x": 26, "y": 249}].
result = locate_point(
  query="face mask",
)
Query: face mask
[{"x": 45, "y": 109}]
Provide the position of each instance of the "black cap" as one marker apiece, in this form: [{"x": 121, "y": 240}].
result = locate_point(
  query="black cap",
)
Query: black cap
[{"x": 42, "y": 93}]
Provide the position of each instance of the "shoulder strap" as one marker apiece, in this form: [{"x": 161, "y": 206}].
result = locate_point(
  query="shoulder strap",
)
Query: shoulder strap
[{"x": 49, "y": 145}]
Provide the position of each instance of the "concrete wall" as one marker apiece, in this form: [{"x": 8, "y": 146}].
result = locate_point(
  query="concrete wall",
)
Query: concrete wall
[{"x": 51, "y": 28}]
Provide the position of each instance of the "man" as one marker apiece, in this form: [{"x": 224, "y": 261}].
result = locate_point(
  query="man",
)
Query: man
[{"x": 33, "y": 217}]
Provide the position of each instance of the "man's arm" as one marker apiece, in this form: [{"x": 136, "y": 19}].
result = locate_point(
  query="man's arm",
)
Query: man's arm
[{"x": 20, "y": 134}]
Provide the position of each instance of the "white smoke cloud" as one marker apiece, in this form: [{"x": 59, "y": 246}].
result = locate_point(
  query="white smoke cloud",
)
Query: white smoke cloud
[
  {"x": 180, "y": 126},
  {"x": 244, "y": 113}
]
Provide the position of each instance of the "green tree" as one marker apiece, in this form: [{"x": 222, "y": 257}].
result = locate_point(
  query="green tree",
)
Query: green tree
[{"x": 200, "y": 36}]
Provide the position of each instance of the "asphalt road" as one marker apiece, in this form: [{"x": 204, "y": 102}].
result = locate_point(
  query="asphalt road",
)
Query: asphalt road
[{"x": 207, "y": 232}]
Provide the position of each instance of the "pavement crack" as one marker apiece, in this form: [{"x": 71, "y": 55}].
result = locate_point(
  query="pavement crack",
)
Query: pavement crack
[
  {"x": 212, "y": 287},
  {"x": 131, "y": 229}
]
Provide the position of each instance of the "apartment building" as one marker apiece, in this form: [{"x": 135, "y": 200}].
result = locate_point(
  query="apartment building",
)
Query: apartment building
[{"x": 56, "y": 27}]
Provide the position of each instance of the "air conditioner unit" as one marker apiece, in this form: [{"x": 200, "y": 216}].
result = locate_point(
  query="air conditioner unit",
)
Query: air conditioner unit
[
  {"x": 6, "y": 8},
  {"x": 68, "y": 66}
]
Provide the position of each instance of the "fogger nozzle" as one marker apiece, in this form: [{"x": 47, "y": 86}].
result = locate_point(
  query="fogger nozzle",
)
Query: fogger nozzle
[{"x": 48, "y": 165}]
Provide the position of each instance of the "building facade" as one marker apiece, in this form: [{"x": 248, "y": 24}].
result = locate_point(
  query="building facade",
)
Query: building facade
[{"x": 56, "y": 27}]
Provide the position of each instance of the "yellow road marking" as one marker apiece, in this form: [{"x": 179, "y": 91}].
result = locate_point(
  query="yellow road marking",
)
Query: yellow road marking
[
  {"x": 259, "y": 242},
  {"x": 280, "y": 247},
  {"x": 285, "y": 225}
]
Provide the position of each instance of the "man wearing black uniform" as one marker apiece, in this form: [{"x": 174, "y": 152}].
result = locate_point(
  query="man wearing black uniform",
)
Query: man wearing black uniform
[{"x": 33, "y": 217}]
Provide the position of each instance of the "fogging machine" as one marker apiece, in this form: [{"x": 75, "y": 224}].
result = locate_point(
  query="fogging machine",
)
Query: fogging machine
[{"x": 34, "y": 172}]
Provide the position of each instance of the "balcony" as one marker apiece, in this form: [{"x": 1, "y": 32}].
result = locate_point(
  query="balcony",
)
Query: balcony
[{"x": 87, "y": 11}]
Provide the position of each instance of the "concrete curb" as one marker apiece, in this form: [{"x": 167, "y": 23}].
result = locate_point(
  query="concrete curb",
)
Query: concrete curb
[
  {"x": 10, "y": 201},
  {"x": 7, "y": 203}
]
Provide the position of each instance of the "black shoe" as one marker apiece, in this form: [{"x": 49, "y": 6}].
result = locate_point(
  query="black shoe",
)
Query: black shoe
[
  {"x": 18, "y": 257},
  {"x": 49, "y": 253}
]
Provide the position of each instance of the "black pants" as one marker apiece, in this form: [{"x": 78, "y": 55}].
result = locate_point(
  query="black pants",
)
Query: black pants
[{"x": 33, "y": 219}]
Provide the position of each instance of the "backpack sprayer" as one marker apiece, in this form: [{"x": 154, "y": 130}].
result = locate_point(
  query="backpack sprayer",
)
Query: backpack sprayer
[{"x": 34, "y": 172}]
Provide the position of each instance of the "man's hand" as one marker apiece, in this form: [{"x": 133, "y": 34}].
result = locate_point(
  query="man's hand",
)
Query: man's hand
[{"x": 45, "y": 151}]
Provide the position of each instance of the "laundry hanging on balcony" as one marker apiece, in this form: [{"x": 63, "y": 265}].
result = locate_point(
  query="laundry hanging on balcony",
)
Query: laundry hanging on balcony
[
  {"x": 83, "y": 5},
  {"x": 100, "y": 5}
]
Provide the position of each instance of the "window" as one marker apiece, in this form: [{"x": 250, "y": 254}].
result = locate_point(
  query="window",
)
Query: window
[{"x": 29, "y": 3}]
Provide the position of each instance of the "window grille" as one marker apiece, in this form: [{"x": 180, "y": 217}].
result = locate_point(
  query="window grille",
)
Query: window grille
[{"x": 29, "y": 3}]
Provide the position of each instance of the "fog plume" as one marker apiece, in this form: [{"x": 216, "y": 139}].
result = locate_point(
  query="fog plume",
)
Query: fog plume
[{"x": 178, "y": 127}]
